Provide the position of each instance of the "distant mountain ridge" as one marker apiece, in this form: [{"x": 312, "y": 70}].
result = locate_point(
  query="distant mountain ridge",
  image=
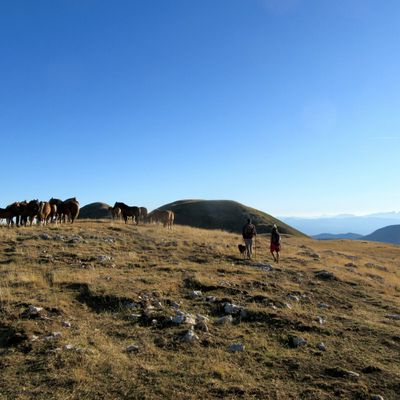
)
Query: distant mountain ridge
[
  {"x": 331, "y": 236},
  {"x": 338, "y": 224},
  {"x": 388, "y": 234}
]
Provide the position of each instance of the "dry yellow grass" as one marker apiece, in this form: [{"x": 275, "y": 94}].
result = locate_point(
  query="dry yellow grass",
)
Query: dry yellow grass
[{"x": 89, "y": 274}]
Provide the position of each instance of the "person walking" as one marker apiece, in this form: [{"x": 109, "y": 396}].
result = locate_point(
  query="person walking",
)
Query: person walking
[
  {"x": 249, "y": 232},
  {"x": 275, "y": 246}
]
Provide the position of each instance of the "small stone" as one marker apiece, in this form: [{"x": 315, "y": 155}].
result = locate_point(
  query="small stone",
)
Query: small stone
[
  {"x": 211, "y": 299},
  {"x": 196, "y": 294},
  {"x": 135, "y": 317},
  {"x": 325, "y": 275},
  {"x": 190, "y": 336},
  {"x": 320, "y": 320},
  {"x": 66, "y": 324},
  {"x": 34, "y": 311},
  {"x": 287, "y": 305},
  {"x": 353, "y": 374},
  {"x": 224, "y": 320},
  {"x": 393, "y": 316},
  {"x": 323, "y": 305},
  {"x": 44, "y": 236},
  {"x": 296, "y": 341},
  {"x": 104, "y": 259},
  {"x": 293, "y": 297},
  {"x": 321, "y": 346},
  {"x": 53, "y": 336},
  {"x": 376, "y": 397},
  {"x": 230, "y": 308},
  {"x": 233, "y": 348},
  {"x": 132, "y": 348}
]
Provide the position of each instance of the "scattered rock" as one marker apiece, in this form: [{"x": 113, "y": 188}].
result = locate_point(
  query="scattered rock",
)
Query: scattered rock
[
  {"x": 134, "y": 317},
  {"x": 264, "y": 267},
  {"x": 321, "y": 320},
  {"x": 323, "y": 305},
  {"x": 376, "y": 397},
  {"x": 53, "y": 336},
  {"x": 182, "y": 317},
  {"x": 339, "y": 372},
  {"x": 75, "y": 240},
  {"x": 211, "y": 299},
  {"x": 196, "y": 294},
  {"x": 321, "y": 346},
  {"x": 104, "y": 259},
  {"x": 393, "y": 316},
  {"x": 132, "y": 348},
  {"x": 44, "y": 236},
  {"x": 296, "y": 341},
  {"x": 190, "y": 336},
  {"x": 230, "y": 308},
  {"x": 235, "y": 347},
  {"x": 293, "y": 297},
  {"x": 34, "y": 311},
  {"x": 66, "y": 324},
  {"x": 227, "y": 319},
  {"x": 325, "y": 275}
]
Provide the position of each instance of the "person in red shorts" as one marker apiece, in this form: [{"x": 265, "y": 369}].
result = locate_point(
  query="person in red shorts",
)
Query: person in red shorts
[{"x": 275, "y": 246}]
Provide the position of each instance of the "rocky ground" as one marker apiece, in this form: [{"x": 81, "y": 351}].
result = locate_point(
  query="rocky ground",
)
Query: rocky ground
[{"x": 104, "y": 310}]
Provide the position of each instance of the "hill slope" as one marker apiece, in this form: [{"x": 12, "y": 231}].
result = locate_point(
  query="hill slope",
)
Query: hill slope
[
  {"x": 333, "y": 236},
  {"x": 224, "y": 214},
  {"x": 388, "y": 234},
  {"x": 95, "y": 211},
  {"x": 115, "y": 304}
]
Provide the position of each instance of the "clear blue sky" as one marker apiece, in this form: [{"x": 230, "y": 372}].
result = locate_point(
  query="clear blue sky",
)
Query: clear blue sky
[{"x": 289, "y": 106}]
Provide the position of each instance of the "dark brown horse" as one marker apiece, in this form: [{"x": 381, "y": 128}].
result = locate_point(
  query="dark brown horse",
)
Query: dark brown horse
[
  {"x": 29, "y": 211},
  {"x": 67, "y": 209},
  {"x": 128, "y": 211}
]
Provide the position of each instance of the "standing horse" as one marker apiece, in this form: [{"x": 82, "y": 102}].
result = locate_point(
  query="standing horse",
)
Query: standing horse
[{"x": 128, "y": 211}]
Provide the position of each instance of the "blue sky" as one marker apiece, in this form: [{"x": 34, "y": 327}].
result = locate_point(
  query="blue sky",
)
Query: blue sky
[{"x": 289, "y": 106}]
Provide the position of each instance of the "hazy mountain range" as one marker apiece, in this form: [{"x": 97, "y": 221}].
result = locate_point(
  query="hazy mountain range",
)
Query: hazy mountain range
[{"x": 339, "y": 224}]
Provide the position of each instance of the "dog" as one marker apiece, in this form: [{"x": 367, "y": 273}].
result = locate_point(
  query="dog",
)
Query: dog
[{"x": 242, "y": 249}]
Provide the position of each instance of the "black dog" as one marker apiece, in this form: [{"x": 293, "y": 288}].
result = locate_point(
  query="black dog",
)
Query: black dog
[{"x": 242, "y": 249}]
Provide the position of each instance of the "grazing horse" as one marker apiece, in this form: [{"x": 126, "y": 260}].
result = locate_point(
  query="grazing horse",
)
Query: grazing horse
[
  {"x": 7, "y": 215},
  {"x": 115, "y": 212},
  {"x": 29, "y": 211},
  {"x": 143, "y": 214},
  {"x": 44, "y": 214},
  {"x": 68, "y": 209},
  {"x": 166, "y": 217},
  {"x": 128, "y": 211},
  {"x": 71, "y": 209}
]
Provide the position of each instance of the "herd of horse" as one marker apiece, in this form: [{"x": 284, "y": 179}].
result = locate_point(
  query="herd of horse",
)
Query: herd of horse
[
  {"x": 140, "y": 214},
  {"x": 20, "y": 213}
]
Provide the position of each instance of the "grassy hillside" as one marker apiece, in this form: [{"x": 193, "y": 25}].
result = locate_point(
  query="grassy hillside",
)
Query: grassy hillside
[
  {"x": 108, "y": 292},
  {"x": 224, "y": 214},
  {"x": 388, "y": 234},
  {"x": 96, "y": 210}
]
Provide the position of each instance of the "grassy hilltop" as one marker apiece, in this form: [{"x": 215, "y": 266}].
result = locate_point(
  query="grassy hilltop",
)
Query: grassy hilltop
[
  {"x": 224, "y": 214},
  {"x": 108, "y": 292}
]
